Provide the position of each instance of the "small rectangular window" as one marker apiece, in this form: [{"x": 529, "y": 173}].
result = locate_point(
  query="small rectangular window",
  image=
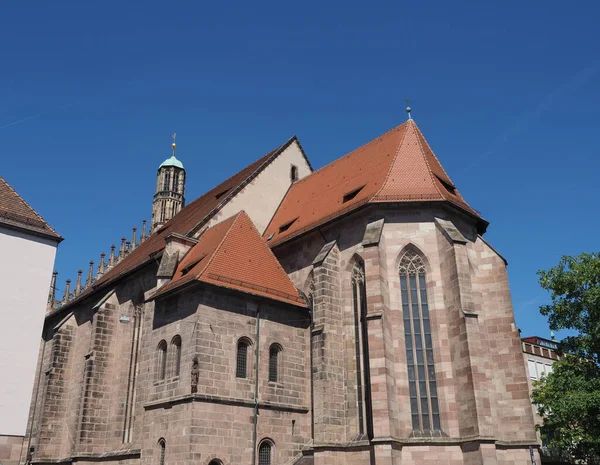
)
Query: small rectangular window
[{"x": 532, "y": 370}]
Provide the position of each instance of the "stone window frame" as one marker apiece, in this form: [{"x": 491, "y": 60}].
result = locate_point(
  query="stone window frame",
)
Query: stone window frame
[
  {"x": 161, "y": 360},
  {"x": 265, "y": 442},
  {"x": 175, "y": 364},
  {"x": 277, "y": 349},
  {"x": 359, "y": 312},
  {"x": 293, "y": 173},
  {"x": 248, "y": 368},
  {"x": 412, "y": 262},
  {"x": 162, "y": 451}
]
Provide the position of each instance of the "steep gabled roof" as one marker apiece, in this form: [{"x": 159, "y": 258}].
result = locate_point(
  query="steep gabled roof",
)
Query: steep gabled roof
[
  {"x": 16, "y": 213},
  {"x": 398, "y": 166},
  {"x": 189, "y": 220},
  {"x": 232, "y": 254}
]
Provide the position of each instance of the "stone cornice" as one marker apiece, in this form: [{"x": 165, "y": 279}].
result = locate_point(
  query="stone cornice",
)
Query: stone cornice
[{"x": 170, "y": 401}]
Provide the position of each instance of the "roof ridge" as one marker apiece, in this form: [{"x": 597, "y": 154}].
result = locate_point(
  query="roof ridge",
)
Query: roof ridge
[
  {"x": 435, "y": 184},
  {"x": 269, "y": 249},
  {"x": 29, "y": 206},
  {"x": 235, "y": 190},
  {"x": 218, "y": 247},
  {"x": 300, "y": 181},
  {"x": 387, "y": 176},
  {"x": 419, "y": 133}
]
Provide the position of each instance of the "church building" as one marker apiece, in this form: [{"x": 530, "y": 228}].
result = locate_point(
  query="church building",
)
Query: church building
[{"x": 349, "y": 315}]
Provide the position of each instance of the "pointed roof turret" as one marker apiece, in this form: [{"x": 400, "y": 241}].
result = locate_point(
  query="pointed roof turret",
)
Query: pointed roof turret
[{"x": 398, "y": 166}]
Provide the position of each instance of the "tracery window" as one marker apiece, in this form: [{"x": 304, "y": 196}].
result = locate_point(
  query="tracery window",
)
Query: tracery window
[
  {"x": 162, "y": 359},
  {"x": 167, "y": 181},
  {"x": 359, "y": 302},
  {"x": 176, "y": 345},
  {"x": 419, "y": 351},
  {"x": 241, "y": 368}
]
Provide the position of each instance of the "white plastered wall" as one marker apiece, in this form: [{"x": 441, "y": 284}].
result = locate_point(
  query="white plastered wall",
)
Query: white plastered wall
[{"x": 25, "y": 273}]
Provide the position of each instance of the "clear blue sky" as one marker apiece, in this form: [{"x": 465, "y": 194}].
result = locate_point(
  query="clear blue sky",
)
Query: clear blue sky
[{"x": 507, "y": 94}]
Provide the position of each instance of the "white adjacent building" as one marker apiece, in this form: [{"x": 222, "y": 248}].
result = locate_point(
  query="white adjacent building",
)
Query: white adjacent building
[{"x": 27, "y": 247}]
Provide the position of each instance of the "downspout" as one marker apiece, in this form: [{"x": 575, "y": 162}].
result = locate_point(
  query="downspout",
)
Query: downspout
[
  {"x": 312, "y": 384},
  {"x": 255, "y": 419},
  {"x": 37, "y": 391}
]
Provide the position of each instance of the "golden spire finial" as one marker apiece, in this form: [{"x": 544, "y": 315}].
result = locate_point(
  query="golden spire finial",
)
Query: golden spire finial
[{"x": 173, "y": 144}]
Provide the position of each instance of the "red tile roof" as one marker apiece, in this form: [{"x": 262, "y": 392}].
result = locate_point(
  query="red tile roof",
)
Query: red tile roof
[
  {"x": 191, "y": 218},
  {"x": 398, "y": 166},
  {"x": 232, "y": 254},
  {"x": 15, "y": 212}
]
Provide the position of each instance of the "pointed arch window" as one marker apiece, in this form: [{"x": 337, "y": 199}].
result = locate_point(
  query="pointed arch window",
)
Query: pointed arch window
[
  {"x": 419, "y": 350},
  {"x": 361, "y": 346}
]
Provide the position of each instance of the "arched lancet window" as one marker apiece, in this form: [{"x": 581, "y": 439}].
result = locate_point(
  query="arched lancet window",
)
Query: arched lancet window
[
  {"x": 176, "y": 182},
  {"x": 264, "y": 453},
  {"x": 162, "y": 445},
  {"x": 167, "y": 181},
  {"x": 274, "y": 352},
  {"x": 162, "y": 359},
  {"x": 419, "y": 351},
  {"x": 294, "y": 173},
  {"x": 359, "y": 304},
  {"x": 241, "y": 366},
  {"x": 176, "y": 346}
]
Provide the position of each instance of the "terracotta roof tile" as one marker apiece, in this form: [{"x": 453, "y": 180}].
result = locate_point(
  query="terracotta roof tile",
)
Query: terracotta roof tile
[
  {"x": 191, "y": 218},
  {"x": 232, "y": 254},
  {"x": 398, "y": 166},
  {"x": 16, "y": 212}
]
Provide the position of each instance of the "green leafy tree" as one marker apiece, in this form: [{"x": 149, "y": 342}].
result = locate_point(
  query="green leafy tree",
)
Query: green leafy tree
[{"x": 569, "y": 398}]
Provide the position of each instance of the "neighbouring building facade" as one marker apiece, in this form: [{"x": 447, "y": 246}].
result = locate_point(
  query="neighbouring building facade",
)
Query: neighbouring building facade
[
  {"x": 349, "y": 315},
  {"x": 28, "y": 247},
  {"x": 539, "y": 354}
]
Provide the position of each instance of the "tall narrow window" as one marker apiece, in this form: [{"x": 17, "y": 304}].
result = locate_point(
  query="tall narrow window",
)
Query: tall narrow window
[
  {"x": 162, "y": 446},
  {"x": 419, "y": 351},
  {"x": 176, "y": 346},
  {"x": 241, "y": 367},
  {"x": 274, "y": 362},
  {"x": 264, "y": 453},
  {"x": 162, "y": 359},
  {"x": 176, "y": 182},
  {"x": 294, "y": 173},
  {"x": 359, "y": 304},
  {"x": 167, "y": 181}
]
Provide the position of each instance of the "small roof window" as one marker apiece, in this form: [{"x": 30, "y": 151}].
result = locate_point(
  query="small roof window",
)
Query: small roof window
[
  {"x": 350, "y": 195},
  {"x": 286, "y": 226}
]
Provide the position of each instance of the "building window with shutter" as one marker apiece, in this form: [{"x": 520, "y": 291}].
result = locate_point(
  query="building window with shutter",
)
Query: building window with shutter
[
  {"x": 241, "y": 366},
  {"x": 162, "y": 359},
  {"x": 274, "y": 361},
  {"x": 264, "y": 453},
  {"x": 419, "y": 349},
  {"x": 176, "y": 346}
]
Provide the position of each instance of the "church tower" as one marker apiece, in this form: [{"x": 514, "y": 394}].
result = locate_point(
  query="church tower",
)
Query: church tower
[{"x": 170, "y": 189}]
